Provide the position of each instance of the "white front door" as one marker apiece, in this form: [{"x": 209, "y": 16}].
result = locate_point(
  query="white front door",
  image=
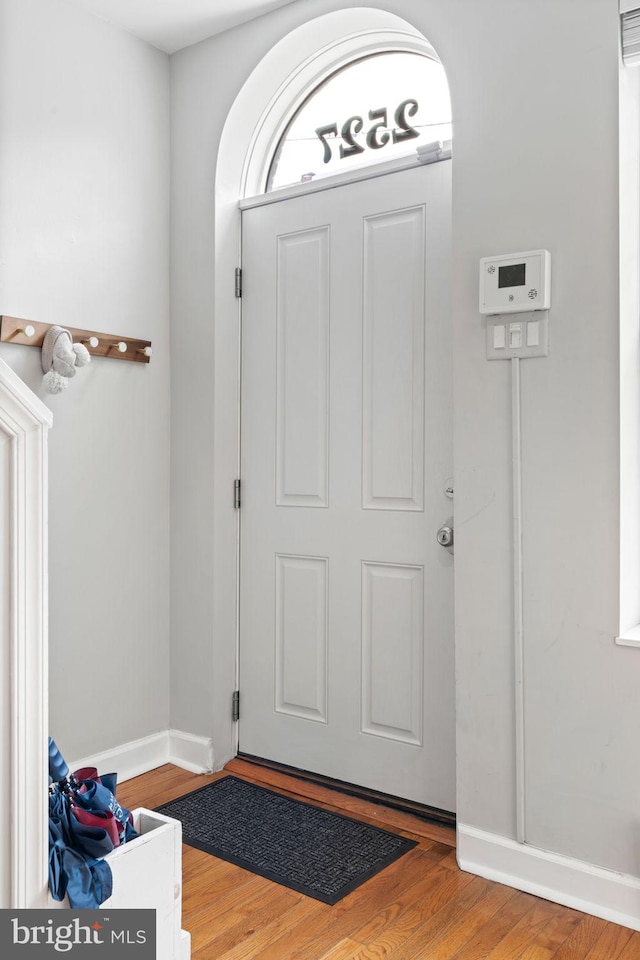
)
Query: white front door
[{"x": 346, "y": 611}]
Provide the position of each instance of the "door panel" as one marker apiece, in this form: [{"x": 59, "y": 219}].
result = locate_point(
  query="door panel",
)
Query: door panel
[
  {"x": 346, "y": 620},
  {"x": 392, "y": 687},
  {"x": 393, "y": 360},
  {"x": 301, "y": 637},
  {"x": 302, "y": 412}
]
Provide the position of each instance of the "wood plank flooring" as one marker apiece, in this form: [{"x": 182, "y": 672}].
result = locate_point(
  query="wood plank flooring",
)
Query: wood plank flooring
[{"x": 422, "y": 907}]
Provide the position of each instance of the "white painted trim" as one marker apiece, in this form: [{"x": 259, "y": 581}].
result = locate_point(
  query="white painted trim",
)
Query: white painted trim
[
  {"x": 191, "y": 752},
  {"x": 629, "y": 346},
  {"x": 630, "y": 22},
  {"x": 35, "y": 413},
  {"x": 132, "y": 759},
  {"x": 339, "y": 180},
  {"x": 573, "y": 883},
  {"x": 24, "y": 424},
  {"x": 185, "y": 945},
  {"x": 336, "y": 39},
  {"x": 629, "y": 638}
]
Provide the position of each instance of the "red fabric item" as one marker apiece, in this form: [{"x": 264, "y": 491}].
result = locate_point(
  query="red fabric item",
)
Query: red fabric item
[
  {"x": 106, "y": 821},
  {"x": 87, "y": 773}
]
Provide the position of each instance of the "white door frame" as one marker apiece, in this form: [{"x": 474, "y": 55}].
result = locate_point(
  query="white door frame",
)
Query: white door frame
[
  {"x": 24, "y": 425},
  {"x": 255, "y": 121}
]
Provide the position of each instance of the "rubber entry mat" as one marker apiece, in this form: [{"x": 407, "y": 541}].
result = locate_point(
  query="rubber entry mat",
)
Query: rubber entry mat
[{"x": 321, "y": 854}]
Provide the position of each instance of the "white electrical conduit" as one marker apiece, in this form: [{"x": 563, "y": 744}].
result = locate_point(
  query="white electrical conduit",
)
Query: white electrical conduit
[{"x": 518, "y": 619}]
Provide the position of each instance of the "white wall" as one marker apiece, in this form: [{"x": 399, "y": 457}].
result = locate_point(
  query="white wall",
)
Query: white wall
[
  {"x": 84, "y": 241},
  {"x": 536, "y": 165}
]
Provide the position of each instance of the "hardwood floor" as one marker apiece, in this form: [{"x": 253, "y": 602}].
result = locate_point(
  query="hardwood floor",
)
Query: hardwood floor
[{"x": 422, "y": 907}]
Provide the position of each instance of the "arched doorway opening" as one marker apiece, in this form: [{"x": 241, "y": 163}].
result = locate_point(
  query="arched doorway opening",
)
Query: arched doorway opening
[{"x": 255, "y": 125}]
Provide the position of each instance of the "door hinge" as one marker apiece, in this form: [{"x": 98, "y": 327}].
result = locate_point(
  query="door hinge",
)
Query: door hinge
[
  {"x": 238, "y": 281},
  {"x": 235, "y": 705},
  {"x": 236, "y": 494}
]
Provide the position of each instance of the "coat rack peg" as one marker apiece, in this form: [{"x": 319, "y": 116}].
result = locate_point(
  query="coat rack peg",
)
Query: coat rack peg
[
  {"x": 120, "y": 346},
  {"x": 145, "y": 351},
  {"x": 27, "y": 330},
  {"x": 91, "y": 342}
]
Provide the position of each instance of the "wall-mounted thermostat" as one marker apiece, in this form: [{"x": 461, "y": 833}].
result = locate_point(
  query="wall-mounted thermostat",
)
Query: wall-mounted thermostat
[{"x": 515, "y": 282}]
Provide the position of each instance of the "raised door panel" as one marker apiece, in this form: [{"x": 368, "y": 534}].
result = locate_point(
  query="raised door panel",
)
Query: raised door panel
[
  {"x": 392, "y": 651},
  {"x": 393, "y": 360},
  {"x": 301, "y": 636},
  {"x": 302, "y": 344}
]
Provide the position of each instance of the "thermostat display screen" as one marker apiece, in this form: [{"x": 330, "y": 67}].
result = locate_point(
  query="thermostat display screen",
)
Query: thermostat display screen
[
  {"x": 512, "y": 275},
  {"x": 515, "y": 282}
]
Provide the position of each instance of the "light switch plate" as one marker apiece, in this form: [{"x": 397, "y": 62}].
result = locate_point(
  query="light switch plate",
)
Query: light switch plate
[{"x": 539, "y": 349}]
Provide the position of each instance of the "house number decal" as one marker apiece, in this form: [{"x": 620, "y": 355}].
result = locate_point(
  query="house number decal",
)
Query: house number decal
[{"x": 378, "y": 134}]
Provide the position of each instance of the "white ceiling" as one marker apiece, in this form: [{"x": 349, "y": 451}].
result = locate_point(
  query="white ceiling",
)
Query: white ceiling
[{"x": 173, "y": 24}]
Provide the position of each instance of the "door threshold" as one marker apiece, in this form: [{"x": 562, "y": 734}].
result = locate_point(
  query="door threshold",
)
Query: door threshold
[{"x": 431, "y": 814}]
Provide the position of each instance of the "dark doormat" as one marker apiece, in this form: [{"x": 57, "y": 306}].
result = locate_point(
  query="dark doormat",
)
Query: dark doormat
[{"x": 314, "y": 851}]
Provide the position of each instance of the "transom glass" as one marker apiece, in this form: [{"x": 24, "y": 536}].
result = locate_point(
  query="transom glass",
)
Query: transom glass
[{"x": 377, "y": 108}]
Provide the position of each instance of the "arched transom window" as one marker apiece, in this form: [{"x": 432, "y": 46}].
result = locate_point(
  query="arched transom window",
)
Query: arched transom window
[{"x": 377, "y": 108}]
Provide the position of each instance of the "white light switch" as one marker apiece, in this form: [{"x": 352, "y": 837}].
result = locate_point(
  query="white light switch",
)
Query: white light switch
[
  {"x": 533, "y": 333},
  {"x": 528, "y": 336},
  {"x": 499, "y": 336}
]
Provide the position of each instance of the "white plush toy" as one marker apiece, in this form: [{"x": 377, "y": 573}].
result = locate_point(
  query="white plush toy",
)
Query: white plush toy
[{"x": 60, "y": 357}]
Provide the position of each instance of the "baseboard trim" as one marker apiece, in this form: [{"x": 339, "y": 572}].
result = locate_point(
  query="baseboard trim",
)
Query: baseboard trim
[
  {"x": 185, "y": 945},
  {"x": 190, "y": 752},
  {"x": 573, "y": 883},
  {"x": 132, "y": 759}
]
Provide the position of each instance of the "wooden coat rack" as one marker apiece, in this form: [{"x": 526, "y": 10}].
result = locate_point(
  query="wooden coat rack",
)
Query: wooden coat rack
[{"x": 31, "y": 334}]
